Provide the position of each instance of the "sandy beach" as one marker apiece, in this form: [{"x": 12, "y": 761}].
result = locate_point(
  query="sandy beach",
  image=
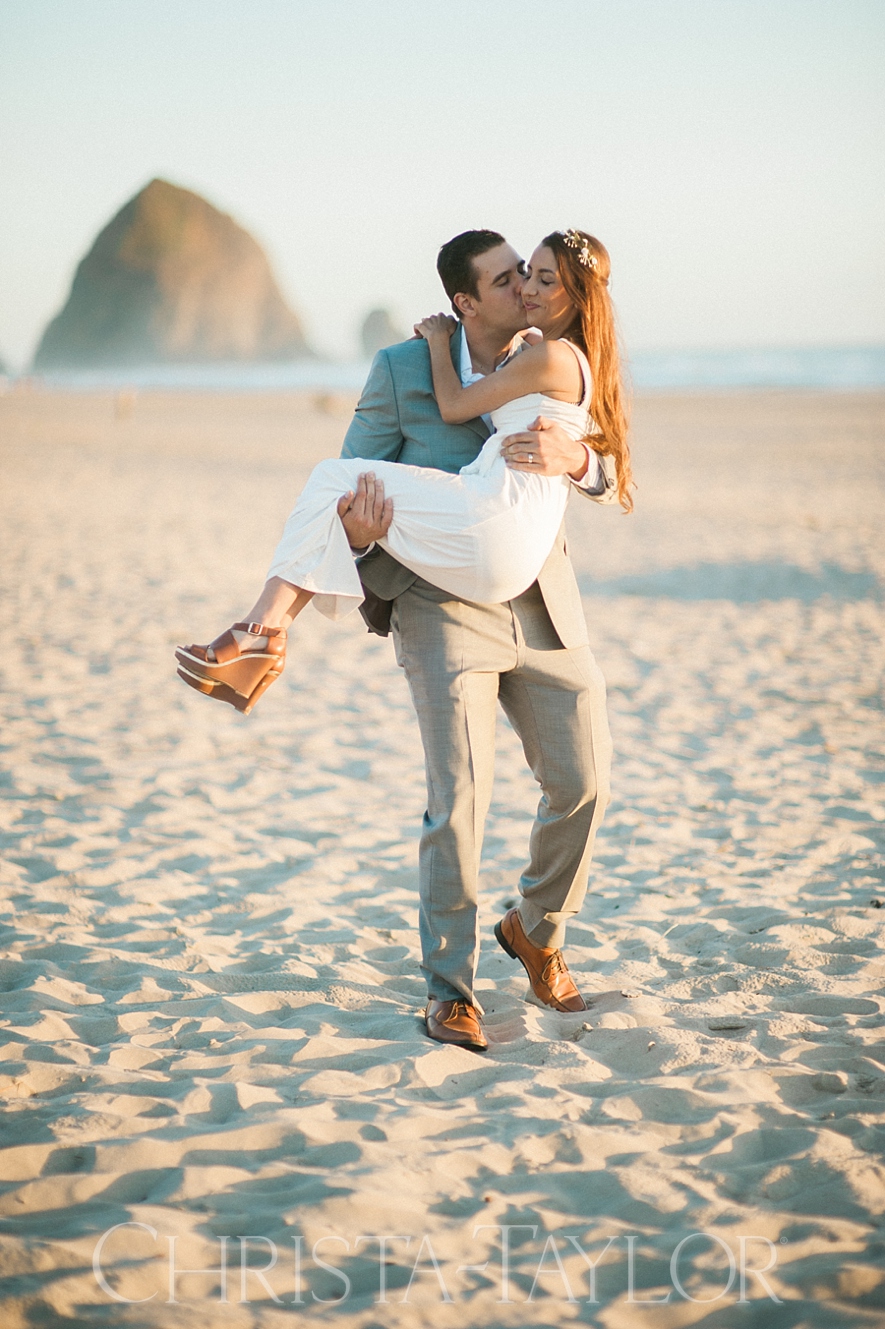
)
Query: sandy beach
[{"x": 210, "y": 988}]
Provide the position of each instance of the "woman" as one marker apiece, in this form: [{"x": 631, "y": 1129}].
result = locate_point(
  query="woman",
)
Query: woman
[{"x": 481, "y": 535}]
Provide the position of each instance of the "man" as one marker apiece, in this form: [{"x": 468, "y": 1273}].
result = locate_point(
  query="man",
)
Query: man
[{"x": 461, "y": 658}]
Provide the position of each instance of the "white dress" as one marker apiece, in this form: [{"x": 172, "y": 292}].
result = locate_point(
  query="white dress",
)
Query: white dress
[{"x": 483, "y": 534}]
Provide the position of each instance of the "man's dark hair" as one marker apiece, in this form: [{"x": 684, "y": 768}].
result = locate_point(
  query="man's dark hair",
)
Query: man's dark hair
[{"x": 455, "y": 262}]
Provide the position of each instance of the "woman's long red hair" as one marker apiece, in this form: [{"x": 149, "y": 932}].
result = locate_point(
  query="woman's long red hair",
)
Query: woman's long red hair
[{"x": 594, "y": 330}]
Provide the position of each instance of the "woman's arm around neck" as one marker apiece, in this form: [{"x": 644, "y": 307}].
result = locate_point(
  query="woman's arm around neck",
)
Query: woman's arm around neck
[{"x": 549, "y": 368}]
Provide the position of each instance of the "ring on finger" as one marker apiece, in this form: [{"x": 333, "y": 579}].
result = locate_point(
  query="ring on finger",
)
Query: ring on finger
[{"x": 531, "y": 459}]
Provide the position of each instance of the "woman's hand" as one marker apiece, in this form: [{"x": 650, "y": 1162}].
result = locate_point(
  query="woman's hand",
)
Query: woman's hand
[{"x": 436, "y": 325}]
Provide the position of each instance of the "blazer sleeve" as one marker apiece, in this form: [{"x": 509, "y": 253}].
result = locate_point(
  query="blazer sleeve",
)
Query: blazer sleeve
[
  {"x": 375, "y": 432},
  {"x": 607, "y": 490}
]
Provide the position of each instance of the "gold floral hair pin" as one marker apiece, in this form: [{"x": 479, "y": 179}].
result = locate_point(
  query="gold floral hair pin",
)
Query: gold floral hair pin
[{"x": 575, "y": 240}]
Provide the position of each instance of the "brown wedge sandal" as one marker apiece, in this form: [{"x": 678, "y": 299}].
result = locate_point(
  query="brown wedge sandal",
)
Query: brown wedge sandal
[{"x": 237, "y": 674}]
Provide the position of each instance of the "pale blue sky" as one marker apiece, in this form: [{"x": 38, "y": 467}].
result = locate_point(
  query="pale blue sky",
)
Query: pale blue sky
[{"x": 728, "y": 152}]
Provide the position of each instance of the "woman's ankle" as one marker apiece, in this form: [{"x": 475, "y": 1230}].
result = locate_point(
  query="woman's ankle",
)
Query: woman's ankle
[{"x": 277, "y": 605}]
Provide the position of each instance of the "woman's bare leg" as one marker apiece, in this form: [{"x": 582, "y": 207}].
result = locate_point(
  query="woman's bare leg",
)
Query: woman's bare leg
[{"x": 279, "y": 604}]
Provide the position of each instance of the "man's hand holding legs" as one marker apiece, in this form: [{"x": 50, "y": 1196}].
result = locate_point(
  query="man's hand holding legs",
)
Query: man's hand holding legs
[{"x": 367, "y": 514}]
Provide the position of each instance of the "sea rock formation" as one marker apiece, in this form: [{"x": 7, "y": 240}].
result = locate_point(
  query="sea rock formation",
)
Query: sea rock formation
[
  {"x": 171, "y": 280},
  {"x": 378, "y": 331}
]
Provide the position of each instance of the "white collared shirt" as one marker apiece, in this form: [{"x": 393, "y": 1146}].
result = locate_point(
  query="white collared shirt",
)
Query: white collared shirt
[
  {"x": 469, "y": 374},
  {"x": 593, "y": 477}
]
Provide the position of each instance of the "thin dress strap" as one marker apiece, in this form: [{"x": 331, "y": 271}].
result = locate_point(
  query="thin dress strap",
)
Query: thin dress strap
[{"x": 586, "y": 376}]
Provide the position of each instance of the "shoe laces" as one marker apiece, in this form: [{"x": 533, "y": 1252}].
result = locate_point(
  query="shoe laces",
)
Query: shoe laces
[
  {"x": 460, "y": 1008},
  {"x": 555, "y": 966}
]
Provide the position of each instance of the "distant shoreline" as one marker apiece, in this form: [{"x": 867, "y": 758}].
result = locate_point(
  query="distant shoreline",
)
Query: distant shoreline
[{"x": 843, "y": 368}]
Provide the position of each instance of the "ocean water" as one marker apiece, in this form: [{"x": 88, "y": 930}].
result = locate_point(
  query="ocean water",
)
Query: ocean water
[
  {"x": 842, "y": 367},
  {"x": 845, "y": 368}
]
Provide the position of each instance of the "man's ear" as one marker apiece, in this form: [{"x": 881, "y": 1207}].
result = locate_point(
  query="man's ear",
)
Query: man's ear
[{"x": 465, "y": 305}]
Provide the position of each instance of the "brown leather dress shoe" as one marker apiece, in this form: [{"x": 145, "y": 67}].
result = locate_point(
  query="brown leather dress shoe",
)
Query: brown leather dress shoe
[
  {"x": 454, "y": 1022},
  {"x": 547, "y": 970}
]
